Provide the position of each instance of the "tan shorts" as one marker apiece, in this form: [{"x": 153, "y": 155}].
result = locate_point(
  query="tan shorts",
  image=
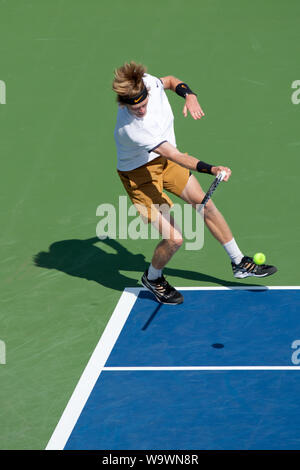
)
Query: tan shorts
[{"x": 145, "y": 185}]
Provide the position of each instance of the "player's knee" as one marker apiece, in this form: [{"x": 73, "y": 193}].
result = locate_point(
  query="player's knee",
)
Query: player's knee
[{"x": 176, "y": 241}]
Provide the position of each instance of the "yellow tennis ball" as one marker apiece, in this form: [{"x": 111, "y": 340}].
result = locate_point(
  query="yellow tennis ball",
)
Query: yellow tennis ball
[{"x": 259, "y": 258}]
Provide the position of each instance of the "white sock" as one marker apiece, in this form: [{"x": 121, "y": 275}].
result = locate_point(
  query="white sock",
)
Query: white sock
[
  {"x": 233, "y": 251},
  {"x": 153, "y": 273}
]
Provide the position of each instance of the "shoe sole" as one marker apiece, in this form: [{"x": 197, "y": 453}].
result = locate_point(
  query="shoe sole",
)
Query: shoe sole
[
  {"x": 244, "y": 275},
  {"x": 158, "y": 299}
]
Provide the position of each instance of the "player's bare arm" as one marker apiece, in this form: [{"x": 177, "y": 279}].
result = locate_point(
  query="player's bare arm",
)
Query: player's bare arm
[
  {"x": 168, "y": 150},
  {"x": 191, "y": 102}
]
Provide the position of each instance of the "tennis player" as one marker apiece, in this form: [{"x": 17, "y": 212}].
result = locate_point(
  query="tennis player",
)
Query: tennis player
[{"x": 148, "y": 162}]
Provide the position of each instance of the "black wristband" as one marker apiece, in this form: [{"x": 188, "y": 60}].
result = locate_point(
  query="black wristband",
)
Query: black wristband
[
  {"x": 203, "y": 167},
  {"x": 183, "y": 89}
]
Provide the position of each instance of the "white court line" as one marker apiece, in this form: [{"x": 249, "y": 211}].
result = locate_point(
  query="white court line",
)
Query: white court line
[
  {"x": 264, "y": 288},
  {"x": 92, "y": 371},
  {"x": 104, "y": 347},
  {"x": 183, "y": 368},
  {"x": 137, "y": 290}
]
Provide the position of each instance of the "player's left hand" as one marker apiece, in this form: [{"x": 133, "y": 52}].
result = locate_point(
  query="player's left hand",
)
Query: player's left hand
[
  {"x": 194, "y": 108},
  {"x": 217, "y": 169}
]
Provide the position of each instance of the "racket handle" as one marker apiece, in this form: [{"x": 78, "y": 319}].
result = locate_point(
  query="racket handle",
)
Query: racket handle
[
  {"x": 222, "y": 175},
  {"x": 212, "y": 188}
]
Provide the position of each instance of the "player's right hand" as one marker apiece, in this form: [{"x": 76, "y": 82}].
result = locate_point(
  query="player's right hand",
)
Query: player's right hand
[{"x": 217, "y": 169}]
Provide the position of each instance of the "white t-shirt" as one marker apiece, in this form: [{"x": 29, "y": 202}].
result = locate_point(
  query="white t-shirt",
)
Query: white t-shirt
[{"x": 136, "y": 138}]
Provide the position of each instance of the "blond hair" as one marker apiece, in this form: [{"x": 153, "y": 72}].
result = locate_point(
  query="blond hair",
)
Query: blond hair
[{"x": 128, "y": 80}]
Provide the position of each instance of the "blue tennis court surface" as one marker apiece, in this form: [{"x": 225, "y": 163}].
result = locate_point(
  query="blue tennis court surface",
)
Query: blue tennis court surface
[{"x": 217, "y": 372}]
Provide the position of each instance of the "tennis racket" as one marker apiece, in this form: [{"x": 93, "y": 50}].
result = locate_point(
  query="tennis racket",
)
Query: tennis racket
[{"x": 212, "y": 188}]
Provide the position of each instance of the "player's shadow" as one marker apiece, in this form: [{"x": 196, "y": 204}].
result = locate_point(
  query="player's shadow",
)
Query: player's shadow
[{"x": 81, "y": 258}]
